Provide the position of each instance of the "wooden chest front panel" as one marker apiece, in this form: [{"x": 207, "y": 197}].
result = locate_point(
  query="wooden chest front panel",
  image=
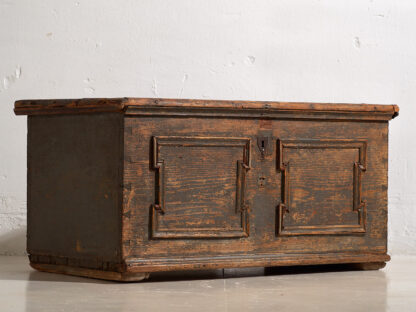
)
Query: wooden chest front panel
[
  {"x": 321, "y": 186},
  {"x": 201, "y": 187}
]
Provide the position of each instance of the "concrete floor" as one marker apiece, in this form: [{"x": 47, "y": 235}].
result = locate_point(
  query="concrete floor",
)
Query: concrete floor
[{"x": 301, "y": 289}]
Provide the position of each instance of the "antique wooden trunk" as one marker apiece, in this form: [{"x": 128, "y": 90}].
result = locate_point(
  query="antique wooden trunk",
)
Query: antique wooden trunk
[{"x": 120, "y": 188}]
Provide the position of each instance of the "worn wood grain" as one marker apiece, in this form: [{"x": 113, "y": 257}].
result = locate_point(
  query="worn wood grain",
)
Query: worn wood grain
[
  {"x": 145, "y": 185},
  {"x": 266, "y": 260},
  {"x": 262, "y": 201},
  {"x": 209, "y": 108},
  {"x": 91, "y": 273},
  {"x": 322, "y": 176},
  {"x": 200, "y": 187}
]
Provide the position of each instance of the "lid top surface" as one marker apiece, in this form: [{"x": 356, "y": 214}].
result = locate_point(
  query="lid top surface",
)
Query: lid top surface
[{"x": 88, "y": 105}]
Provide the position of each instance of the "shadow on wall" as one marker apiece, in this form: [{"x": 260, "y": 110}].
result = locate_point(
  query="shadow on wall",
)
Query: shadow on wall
[{"x": 13, "y": 243}]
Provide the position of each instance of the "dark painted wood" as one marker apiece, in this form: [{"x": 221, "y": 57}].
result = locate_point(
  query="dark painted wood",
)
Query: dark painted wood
[
  {"x": 74, "y": 195},
  {"x": 130, "y": 186}
]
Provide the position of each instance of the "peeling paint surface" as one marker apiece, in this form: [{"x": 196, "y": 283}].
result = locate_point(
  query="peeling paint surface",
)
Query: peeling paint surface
[
  {"x": 358, "y": 51},
  {"x": 357, "y": 42},
  {"x": 12, "y": 78}
]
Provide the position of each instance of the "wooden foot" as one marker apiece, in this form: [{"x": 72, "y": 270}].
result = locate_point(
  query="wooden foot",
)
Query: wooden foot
[
  {"x": 369, "y": 265},
  {"x": 105, "y": 275}
]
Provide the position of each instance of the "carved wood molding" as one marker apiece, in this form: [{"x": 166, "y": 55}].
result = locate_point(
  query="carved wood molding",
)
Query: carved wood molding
[
  {"x": 284, "y": 207},
  {"x": 159, "y": 207},
  {"x": 209, "y": 108},
  {"x": 250, "y": 260}
]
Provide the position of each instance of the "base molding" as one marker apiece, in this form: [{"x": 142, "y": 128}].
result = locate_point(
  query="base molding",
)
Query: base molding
[
  {"x": 369, "y": 265},
  {"x": 136, "y": 269},
  {"x": 91, "y": 273},
  {"x": 244, "y": 261}
]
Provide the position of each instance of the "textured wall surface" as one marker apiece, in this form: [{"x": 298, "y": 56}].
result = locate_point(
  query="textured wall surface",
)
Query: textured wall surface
[{"x": 355, "y": 51}]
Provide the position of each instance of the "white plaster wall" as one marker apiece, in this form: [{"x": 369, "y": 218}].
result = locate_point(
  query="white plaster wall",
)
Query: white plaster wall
[{"x": 357, "y": 51}]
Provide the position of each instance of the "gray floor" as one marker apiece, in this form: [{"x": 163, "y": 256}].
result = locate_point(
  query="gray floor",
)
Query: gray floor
[{"x": 301, "y": 289}]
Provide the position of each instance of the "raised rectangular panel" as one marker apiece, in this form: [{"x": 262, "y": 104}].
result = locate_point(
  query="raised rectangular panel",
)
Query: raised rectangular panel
[
  {"x": 321, "y": 187},
  {"x": 200, "y": 187}
]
